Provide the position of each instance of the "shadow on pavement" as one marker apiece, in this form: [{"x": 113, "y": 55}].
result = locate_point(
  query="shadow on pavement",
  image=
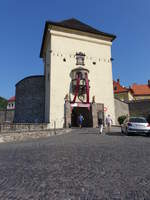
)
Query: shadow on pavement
[
  {"x": 95, "y": 131},
  {"x": 122, "y": 134},
  {"x": 114, "y": 134}
]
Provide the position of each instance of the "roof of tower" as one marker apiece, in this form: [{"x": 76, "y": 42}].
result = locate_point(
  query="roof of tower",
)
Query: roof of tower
[
  {"x": 118, "y": 88},
  {"x": 74, "y": 24}
]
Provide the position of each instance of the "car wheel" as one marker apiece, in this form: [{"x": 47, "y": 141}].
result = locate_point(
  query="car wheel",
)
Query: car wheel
[
  {"x": 127, "y": 133},
  {"x": 147, "y": 134}
]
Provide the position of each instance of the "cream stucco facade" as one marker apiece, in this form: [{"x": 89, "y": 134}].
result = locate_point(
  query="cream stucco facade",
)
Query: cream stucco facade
[
  {"x": 124, "y": 96},
  {"x": 142, "y": 97},
  {"x": 59, "y": 49}
]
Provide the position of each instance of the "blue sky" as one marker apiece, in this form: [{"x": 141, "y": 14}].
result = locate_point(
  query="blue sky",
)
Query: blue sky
[{"x": 22, "y": 24}]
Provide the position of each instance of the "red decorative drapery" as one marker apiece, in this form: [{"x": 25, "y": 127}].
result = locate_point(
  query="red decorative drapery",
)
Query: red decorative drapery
[
  {"x": 78, "y": 78},
  {"x": 87, "y": 88},
  {"x": 77, "y": 88}
]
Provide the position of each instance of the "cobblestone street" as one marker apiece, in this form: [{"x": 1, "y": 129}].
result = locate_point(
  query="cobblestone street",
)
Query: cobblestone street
[{"x": 81, "y": 165}]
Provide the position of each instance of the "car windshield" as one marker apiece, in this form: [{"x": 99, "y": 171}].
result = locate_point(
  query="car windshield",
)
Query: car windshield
[{"x": 138, "y": 120}]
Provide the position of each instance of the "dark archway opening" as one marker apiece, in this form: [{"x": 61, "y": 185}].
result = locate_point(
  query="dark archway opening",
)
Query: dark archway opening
[{"x": 85, "y": 112}]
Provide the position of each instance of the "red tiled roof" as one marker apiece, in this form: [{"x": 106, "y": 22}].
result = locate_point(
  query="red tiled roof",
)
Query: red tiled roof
[
  {"x": 118, "y": 88},
  {"x": 140, "y": 89},
  {"x": 12, "y": 99}
]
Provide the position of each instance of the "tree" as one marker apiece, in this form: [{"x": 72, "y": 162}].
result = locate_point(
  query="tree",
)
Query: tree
[
  {"x": 3, "y": 103},
  {"x": 121, "y": 119}
]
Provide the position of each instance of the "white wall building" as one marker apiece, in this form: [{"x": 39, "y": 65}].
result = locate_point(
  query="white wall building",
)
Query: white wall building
[
  {"x": 11, "y": 103},
  {"x": 61, "y": 41}
]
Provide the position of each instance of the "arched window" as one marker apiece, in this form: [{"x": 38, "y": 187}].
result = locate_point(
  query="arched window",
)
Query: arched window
[{"x": 115, "y": 88}]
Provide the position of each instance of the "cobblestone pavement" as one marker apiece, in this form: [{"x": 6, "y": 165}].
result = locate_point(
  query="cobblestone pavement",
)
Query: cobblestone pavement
[{"x": 78, "y": 166}]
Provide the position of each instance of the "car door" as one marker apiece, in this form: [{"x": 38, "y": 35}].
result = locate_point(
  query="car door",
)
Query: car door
[{"x": 124, "y": 125}]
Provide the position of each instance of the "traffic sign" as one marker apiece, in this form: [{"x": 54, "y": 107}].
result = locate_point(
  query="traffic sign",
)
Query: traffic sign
[{"x": 105, "y": 109}]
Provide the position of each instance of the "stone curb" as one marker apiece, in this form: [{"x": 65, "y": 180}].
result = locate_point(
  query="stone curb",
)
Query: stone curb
[{"x": 26, "y": 135}]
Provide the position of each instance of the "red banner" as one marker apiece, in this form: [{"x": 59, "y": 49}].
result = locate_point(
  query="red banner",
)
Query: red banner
[
  {"x": 87, "y": 88},
  {"x": 77, "y": 89}
]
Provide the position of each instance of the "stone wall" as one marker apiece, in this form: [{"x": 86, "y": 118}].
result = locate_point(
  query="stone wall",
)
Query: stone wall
[
  {"x": 22, "y": 127},
  {"x": 121, "y": 108},
  {"x": 30, "y": 100},
  {"x": 28, "y": 135},
  {"x": 6, "y": 116},
  {"x": 2, "y": 116},
  {"x": 140, "y": 108},
  {"x": 67, "y": 114}
]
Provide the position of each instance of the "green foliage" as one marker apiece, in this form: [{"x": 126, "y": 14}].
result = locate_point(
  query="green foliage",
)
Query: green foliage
[
  {"x": 121, "y": 119},
  {"x": 3, "y": 103}
]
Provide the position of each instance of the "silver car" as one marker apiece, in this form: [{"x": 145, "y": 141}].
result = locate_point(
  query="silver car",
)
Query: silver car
[{"x": 135, "y": 125}]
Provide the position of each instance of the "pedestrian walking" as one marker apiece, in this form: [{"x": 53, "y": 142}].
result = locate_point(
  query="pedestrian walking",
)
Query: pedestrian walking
[
  {"x": 100, "y": 124},
  {"x": 80, "y": 120},
  {"x": 108, "y": 123}
]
